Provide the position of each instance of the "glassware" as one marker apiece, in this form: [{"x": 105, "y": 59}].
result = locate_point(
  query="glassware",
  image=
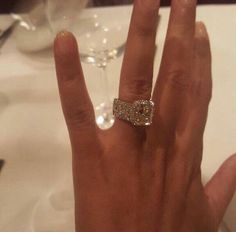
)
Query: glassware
[
  {"x": 99, "y": 42},
  {"x": 102, "y": 41},
  {"x": 62, "y": 14},
  {"x": 37, "y": 29}
]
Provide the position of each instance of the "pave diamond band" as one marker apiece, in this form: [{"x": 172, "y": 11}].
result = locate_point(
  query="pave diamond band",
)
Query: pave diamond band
[{"x": 139, "y": 113}]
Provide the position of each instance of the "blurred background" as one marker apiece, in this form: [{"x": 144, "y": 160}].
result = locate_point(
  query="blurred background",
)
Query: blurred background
[{"x": 7, "y": 5}]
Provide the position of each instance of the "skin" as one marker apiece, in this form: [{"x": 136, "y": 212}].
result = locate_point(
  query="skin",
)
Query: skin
[{"x": 136, "y": 179}]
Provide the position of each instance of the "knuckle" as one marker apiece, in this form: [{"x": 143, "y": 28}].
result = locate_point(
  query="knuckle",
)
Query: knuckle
[
  {"x": 68, "y": 78},
  {"x": 80, "y": 117},
  {"x": 145, "y": 22},
  {"x": 201, "y": 91},
  {"x": 144, "y": 30},
  {"x": 202, "y": 46},
  {"x": 137, "y": 88},
  {"x": 179, "y": 79},
  {"x": 175, "y": 43}
]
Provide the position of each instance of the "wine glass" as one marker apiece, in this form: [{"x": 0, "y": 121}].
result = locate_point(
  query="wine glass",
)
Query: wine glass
[
  {"x": 62, "y": 14},
  {"x": 102, "y": 41}
]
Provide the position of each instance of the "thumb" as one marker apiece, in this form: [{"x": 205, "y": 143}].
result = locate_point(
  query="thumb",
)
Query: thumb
[{"x": 221, "y": 188}]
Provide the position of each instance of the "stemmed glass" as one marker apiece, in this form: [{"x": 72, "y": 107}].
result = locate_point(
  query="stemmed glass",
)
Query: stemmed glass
[
  {"x": 101, "y": 42},
  {"x": 61, "y": 14}
]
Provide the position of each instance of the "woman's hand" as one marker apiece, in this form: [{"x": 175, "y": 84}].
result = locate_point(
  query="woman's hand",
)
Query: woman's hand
[{"x": 136, "y": 179}]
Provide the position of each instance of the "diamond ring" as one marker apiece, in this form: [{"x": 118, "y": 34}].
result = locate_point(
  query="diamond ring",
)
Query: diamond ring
[{"x": 139, "y": 113}]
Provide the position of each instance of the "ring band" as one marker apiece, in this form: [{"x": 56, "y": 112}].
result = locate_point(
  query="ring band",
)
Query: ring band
[{"x": 139, "y": 113}]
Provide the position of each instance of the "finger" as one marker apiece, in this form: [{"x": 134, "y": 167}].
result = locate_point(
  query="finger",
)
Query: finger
[
  {"x": 192, "y": 119},
  {"x": 221, "y": 188},
  {"x": 169, "y": 95},
  {"x": 76, "y": 104},
  {"x": 175, "y": 69},
  {"x": 137, "y": 68},
  {"x": 186, "y": 152}
]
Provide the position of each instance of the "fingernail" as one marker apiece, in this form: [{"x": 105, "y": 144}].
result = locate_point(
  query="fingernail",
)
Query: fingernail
[
  {"x": 201, "y": 41},
  {"x": 201, "y": 28},
  {"x": 66, "y": 54},
  {"x": 65, "y": 43}
]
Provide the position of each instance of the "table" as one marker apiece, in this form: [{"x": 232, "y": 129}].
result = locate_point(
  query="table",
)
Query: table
[{"x": 33, "y": 137}]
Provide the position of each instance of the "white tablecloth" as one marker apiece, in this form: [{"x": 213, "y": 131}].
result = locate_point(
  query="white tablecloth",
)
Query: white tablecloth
[{"x": 33, "y": 137}]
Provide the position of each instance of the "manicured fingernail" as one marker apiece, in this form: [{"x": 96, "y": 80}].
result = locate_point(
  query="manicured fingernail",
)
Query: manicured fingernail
[
  {"x": 66, "y": 54},
  {"x": 65, "y": 43},
  {"x": 201, "y": 40},
  {"x": 201, "y": 29}
]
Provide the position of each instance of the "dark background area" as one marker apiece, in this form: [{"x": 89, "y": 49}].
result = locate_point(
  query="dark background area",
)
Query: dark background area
[
  {"x": 7, "y": 5},
  {"x": 163, "y": 2}
]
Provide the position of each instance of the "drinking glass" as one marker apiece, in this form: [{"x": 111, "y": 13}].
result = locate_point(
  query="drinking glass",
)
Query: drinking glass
[
  {"x": 102, "y": 41},
  {"x": 62, "y": 14}
]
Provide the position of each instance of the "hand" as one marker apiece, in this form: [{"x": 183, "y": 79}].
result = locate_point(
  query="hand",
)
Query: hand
[{"x": 133, "y": 179}]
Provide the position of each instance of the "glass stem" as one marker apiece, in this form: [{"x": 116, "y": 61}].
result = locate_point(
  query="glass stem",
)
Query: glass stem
[{"x": 105, "y": 85}]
